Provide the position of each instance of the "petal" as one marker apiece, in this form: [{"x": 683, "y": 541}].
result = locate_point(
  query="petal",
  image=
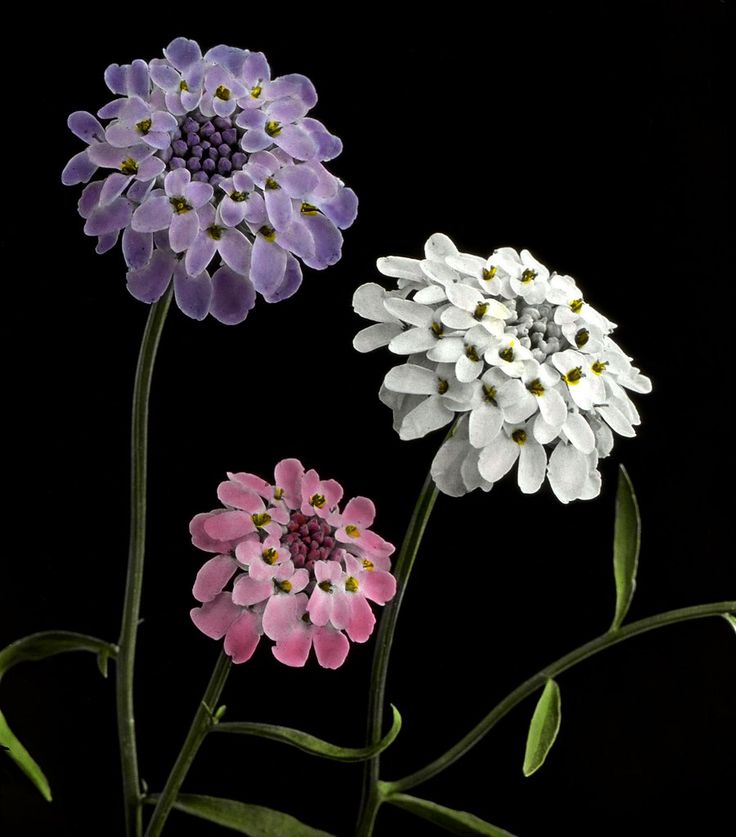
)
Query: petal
[
  {"x": 552, "y": 407},
  {"x": 296, "y": 142},
  {"x": 110, "y": 218},
  {"x": 183, "y": 230},
  {"x": 412, "y": 379},
  {"x": 378, "y": 586},
  {"x": 497, "y": 459},
  {"x": 430, "y": 415},
  {"x": 413, "y": 340},
  {"x": 331, "y": 647},
  {"x": 342, "y": 210},
  {"x": 215, "y": 617},
  {"x": 85, "y": 126},
  {"x": 193, "y": 293},
  {"x": 268, "y": 265},
  {"x": 616, "y": 420},
  {"x": 278, "y": 206},
  {"x": 213, "y": 576},
  {"x": 446, "y": 467},
  {"x": 137, "y": 248},
  {"x": 438, "y": 247},
  {"x": 242, "y": 637},
  {"x": 293, "y": 650},
  {"x": 291, "y": 282},
  {"x": 232, "y": 296},
  {"x": 78, "y": 170},
  {"x": 485, "y": 423},
  {"x": 579, "y": 432},
  {"x": 249, "y": 591},
  {"x": 327, "y": 241},
  {"x": 297, "y": 181},
  {"x": 375, "y": 336},
  {"x": 532, "y": 465},
  {"x": 113, "y": 187},
  {"x": 360, "y": 511},
  {"x": 155, "y": 214},
  {"x": 362, "y": 620},
  {"x": 567, "y": 472},
  {"x": 280, "y": 616},
  {"x": 408, "y": 311},
  {"x": 235, "y": 250},
  {"x": 200, "y": 253},
  {"x": 229, "y": 525}
]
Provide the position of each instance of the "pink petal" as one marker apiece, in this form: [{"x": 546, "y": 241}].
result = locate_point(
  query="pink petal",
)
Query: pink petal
[
  {"x": 232, "y": 494},
  {"x": 294, "y": 649},
  {"x": 363, "y": 620},
  {"x": 215, "y": 617},
  {"x": 331, "y": 647},
  {"x": 378, "y": 586},
  {"x": 360, "y": 511},
  {"x": 342, "y": 612},
  {"x": 212, "y": 577},
  {"x": 281, "y": 617},
  {"x": 249, "y": 551},
  {"x": 253, "y": 482},
  {"x": 288, "y": 475},
  {"x": 200, "y": 538},
  {"x": 319, "y": 606},
  {"x": 242, "y": 637},
  {"x": 229, "y": 525},
  {"x": 375, "y": 545},
  {"x": 250, "y": 591}
]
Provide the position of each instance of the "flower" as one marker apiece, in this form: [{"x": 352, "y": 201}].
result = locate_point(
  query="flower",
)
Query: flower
[
  {"x": 212, "y": 173},
  {"x": 291, "y": 566},
  {"x": 511, "y": 352}
]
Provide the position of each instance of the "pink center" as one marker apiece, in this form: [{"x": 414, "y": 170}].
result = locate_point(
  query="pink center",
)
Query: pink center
[{"x": 309, "y": 539}]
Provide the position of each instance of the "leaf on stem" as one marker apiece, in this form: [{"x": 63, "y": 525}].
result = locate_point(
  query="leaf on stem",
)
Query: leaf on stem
[
  {"x": 626, "y": 541},
  {"x": 731, "y": 619},
  {"x": 23, "y": 758},
  {"x": 309, "y": 744},
  {"x": 48, "y": 643},
  {"x": 253, "y": 820},
  {"x": 543, "y": 729},
  {"x": 456, "y": 822}
]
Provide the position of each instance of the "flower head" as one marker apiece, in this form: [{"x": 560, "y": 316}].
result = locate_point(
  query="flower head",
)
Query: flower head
[
  {"x": 291, "y": 565},
  {"x": 212, "y": 173},
  {"x": 514, "y": 354}
]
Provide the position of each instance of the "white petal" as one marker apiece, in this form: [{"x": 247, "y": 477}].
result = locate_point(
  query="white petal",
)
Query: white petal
[
  {"x": 414, "y": 340},
  {"x": 567, "y": 472},
  {"x": 457, "y": 319},
  {"x": 430, "y": 295},
  {"x": 368, "y": 303},
  {"x": 430, "y": 415},
  {"x": 498, "y": 458},
  {"x": 399, "y": 268},
  {"x": 408, "y": 311},
  {"x": 470, "y": 473},
  {"x": 446, "y": 350},
  {"x": 580, "y": 433},
  {"x": 532, "y": 465},
  {"x": 485, "y": 423},
  {"x": 616, "y": 419},
  {"x": 467, "y": 370},
  {"x": 438, "y": 246},
  {"x": 446, "y": 467},
  {"x": 465, "y": 263},
  {"x": 440, "y": 273},
  {"x": 520, "y": 410},
  {"x": 411, "y": 379},
  {"x": 465, "y": 297},
  {"x": 375, "y": 336},
  {"x": 592, "y": 486},
  {"x": 543, "y": 432},
  {"x": 552, "y": 407}
]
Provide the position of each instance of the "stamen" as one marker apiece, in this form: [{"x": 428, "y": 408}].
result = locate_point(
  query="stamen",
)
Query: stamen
[
  {"x": 438, "y": 329},
  {"x": 129, "y": 166},
  {"x": 308, "y": 209},
  {"x": 506, "y": 354},
  {"x": 261, "y": 520},
  {"x": 599, "y": 367},
  {"x": 215, "y": 232},
  {"x": 368, "y": 565},
  {"x": 535, "y": 387},
  {"x": 528, "y": 276},
  {"x": 269, "y": 233},
  {"x": 284, "y": 586},
  {"x": 519, "y": 436},
  {"x": 582, "y": 337},
  {"x": 442, "y": 386},
  {"x": 573, "y": 376},
  {"x": 489, "y": 272},
  {"x": 576, "y": 306},
  {"x": 223, "y": 93},
  {"x": 317, "y": 500},
  {"x": 480, "y": 310},
  {"x": 270, "y": 555},
  {"x": 271, "y": 183},
  {"x": 144, "y": 126},
  {"x": 351, "y": 584},
  {"x": 489, "y": 394},
  {"x": 239, "y": 197},
  {"x": 180, "y": 205},
  {"x": 326, "y": 586},
  {"x": 273, "y": 129}
]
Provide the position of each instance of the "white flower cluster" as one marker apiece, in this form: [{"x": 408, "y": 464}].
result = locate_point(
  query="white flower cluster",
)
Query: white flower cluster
[{"x": 512, "y": 351}]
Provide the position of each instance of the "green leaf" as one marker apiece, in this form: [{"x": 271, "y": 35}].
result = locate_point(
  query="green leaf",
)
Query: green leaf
[
  {"x": 310, "y": 744},
  {"x": 253, "y": 820},
  {"x": 456, "y": 822},
  {"x": 48, "y": 643},
  {"x": 626, "y": 541},
  {"x": 23, "y": 758},
  {"x": 731, "y": 619},
  {"x": 543, "y": 729}
]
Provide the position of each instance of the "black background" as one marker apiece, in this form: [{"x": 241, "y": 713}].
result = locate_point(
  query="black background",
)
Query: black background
[{"x": 595, "y": 136}]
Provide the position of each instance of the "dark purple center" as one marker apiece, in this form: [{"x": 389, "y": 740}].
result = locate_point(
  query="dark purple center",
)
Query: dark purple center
[
  {"x": 309, "y": 539},
  {"x": 209, "y": 148}
]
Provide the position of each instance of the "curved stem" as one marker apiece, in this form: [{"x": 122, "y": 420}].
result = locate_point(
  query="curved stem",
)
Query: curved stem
[
  {"x": 136, "y": 552},
  {"x": 371, "y": 800},
  {"x": 201, "y": 724},
  {"x": 540, "y": 678}
]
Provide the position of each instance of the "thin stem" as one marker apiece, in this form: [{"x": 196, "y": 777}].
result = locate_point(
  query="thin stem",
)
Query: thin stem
[
  {"x": 372, "y": 798},
  {"x": 136, "y": 552},
  {"x": 540, "y": 678},
  {"x": 202, "y": 722}
]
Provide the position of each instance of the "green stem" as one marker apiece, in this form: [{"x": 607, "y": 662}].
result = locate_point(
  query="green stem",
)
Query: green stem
[
  {"x": 372, "y": 798},
  {"x": 201, "y": 724},
  {"x": 540, "y": 678},
  {"x": 136, "y": 552}
]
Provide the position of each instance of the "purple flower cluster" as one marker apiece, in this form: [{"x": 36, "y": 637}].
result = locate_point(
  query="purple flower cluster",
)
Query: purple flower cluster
[{"x": 204, "y": 157}]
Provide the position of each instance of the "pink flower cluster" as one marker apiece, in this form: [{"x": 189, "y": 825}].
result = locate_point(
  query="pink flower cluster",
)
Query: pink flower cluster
[{"x": 289, "y": 564}]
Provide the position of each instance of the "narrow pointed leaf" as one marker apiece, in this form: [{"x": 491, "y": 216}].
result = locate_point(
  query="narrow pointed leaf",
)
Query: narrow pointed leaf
[
  {"x": 48, "y": 643},
  {"x": 731, "y": 619},
  {"x": 626, "y": 540},
  {"x": 309, "y": 744},
  {"x": 456, "y": 822},
  {"x": 23, "y": 758},
  {"x": 254, "y": 820},
  {"x": 543, "y": 729}
]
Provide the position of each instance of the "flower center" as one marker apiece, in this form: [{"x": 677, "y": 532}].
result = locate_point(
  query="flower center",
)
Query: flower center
[
  {"x": 535, "y": 387},
  {"x": 223, "y": 93},
  {"x": 308, "y": 539},
  {"x": 576, "y": 306},
  {"x": 238, "y": 197},
  {"x": 270, "y": 556},
  {"x": 480, "y": 310},
  {"x": 144, "y": 126},
  {"x": 273, "y": 129},
  {"x": 442, "y": 386},
  {"x": 489, "y": 272},
  {"x": 599, "y": 367},
  {"x": 215, "y": 232},
  {"x": 326, "y": 586},
  {"x": 437, "y": 329},
  {"x": 368, "y": 565},
  {"x": 308, "y": 209},
  {"x": 352, "y": 531},
  {"x": 489, "y": 394},
  {"x": 472, "y": 354},
  {"x": 317, "y": 500},
  {"x": 506, "y": 354},
  {"x": 351, "y": 585},
  {"x": 284, "y": 586},
  {"x": 209, "y": 148},
  {"x": 129, "y": 166},
  {"x": 180, "y": 205},
  {"x": 269, "y": 233},
  {"x": 528, "y": 276},
  {"x": 261, "y": 520},
  {"x": 573, "y": 376},
  {"x": 519, "y": 436},
  {"x": 271, "y": 183},
  {"x": 582, "y": 337}
]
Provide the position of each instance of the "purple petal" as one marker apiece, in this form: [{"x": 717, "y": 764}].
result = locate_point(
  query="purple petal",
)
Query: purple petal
[
  {"x": 137, "y": 248},
  {"x": 232, "y": 212},
  {"x": 198, "y": 194},
  {"x": 164, "y": 75},
  {"x": 115, "y": 79},
  {"x": 176, "y": 182},
  {"x": 223, "y": 107},
  {"x": 255, "y": 210},
  {"x": 327, "y": 241},
  {"x": 120, "y": 135},
  {"x": 149, "y": 283},
  {"x": 296, "y": 142},
  {"x": 232, "y": 296},
  {"x": 183, "y": 230},
  {"x": 268, "y": 264},
  {"x": 106, "y": 219},
  {"x": 157, "y": 139},
  {"x": 155, "y": 214},
  {"x": 298, "y": 181},
  {"x": 293, "y": 84},
  {"x": 229, "y": 57},
  {"x": 140, "y": 189},
  {"x": 287, "y": 109},
  {"x": 183, "y": 53},
  {"x": 138, "y": 81},
  {"x": 78, "y": 170},
  {"x": 250, "y": 119},
  {"x": 342, "y": 210},
  {"x": 291, "y": 283},
  {"x": 256, "y": 69},
  {"x": 235, "y": 250},
  {"x": 89, "y": 198},
  {"x": 278, "y": 206},
  {"x": 113, "y": 187},
  {"x": 297, "y": 238},
  {"x": 200, "y": 254},
  {"x": 162, "y": 121},
  {"x": 107, "y": 242},
  {"x": 328, "y": 145},
  {"x": 85, "y": 126},
  {"x": 193, "y": 293},
  {"x": 255, "y": 139},
  {"x": 150, "y": 168}
]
